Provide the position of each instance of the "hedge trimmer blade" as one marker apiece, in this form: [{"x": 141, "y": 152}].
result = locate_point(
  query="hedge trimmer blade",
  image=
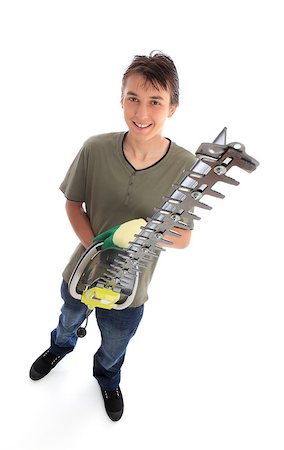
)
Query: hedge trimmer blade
[{"x": 213, "y": 162}]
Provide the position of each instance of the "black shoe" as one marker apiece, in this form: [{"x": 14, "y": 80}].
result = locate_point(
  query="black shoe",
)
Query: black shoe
[
  {"x": 113, "y": 403},
  {"x": 43, "y": 365}
]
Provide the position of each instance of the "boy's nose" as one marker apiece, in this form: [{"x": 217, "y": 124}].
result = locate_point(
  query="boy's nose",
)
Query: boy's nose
[{"x": 142, "y": 112}]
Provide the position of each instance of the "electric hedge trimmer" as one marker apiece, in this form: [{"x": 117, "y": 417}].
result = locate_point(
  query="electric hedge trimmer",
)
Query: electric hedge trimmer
[{"x": 108, "y": 278}]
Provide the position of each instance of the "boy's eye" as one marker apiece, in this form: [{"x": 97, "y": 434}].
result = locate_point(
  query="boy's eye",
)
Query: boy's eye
[{"x": 133, "y": 99}]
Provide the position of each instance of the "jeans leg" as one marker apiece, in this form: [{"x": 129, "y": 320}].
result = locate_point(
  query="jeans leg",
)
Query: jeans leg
[
  {"x": 117, "y": 327},
  {"x": 73, "y": 314}
]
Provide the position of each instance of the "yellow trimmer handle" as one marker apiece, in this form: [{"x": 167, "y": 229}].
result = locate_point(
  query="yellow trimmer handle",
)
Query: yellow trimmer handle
[{"x": 99, "y": 297}]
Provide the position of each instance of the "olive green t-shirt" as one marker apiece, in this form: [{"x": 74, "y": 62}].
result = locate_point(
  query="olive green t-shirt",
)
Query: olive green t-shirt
[{"x": 114, "y": 192}]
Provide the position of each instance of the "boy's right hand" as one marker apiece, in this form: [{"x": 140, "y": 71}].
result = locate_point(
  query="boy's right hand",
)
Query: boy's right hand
[{"x": 121, "y": 235}]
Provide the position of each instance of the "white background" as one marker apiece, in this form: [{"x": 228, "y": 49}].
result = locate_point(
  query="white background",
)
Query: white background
[{"x": 205, "y": 370}]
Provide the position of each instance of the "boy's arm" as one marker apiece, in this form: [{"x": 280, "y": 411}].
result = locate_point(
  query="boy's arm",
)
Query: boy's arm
[
  {"x": 80, "y": 222},
  {"x": 81, "y": 225}
]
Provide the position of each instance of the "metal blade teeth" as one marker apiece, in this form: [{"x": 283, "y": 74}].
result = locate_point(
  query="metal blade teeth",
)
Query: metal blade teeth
[{"x": 213, "y": 162}]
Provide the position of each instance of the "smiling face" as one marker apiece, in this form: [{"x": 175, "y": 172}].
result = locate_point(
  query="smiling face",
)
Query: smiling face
[{"x": 146, "y": 107}]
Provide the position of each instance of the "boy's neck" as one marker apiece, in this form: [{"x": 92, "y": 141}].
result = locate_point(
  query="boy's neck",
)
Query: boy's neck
[{"x": 145, "y": 150}]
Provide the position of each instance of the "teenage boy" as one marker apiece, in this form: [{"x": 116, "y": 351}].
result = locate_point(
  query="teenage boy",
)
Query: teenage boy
[{"x": 115, "y": 178}]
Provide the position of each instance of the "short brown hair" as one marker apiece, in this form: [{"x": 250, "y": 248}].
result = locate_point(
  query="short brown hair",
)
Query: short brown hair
[{"x": 157, "y": 69}]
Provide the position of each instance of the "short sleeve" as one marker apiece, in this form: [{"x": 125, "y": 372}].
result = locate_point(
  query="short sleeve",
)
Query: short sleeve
[{"x": 74, "y": 184}]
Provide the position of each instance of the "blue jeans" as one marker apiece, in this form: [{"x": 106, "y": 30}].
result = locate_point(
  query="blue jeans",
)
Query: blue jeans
[{"x": 117, "y": 327}]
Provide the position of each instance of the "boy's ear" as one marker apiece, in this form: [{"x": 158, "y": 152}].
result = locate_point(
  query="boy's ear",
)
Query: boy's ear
[{"x": 172, "y": 110}]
